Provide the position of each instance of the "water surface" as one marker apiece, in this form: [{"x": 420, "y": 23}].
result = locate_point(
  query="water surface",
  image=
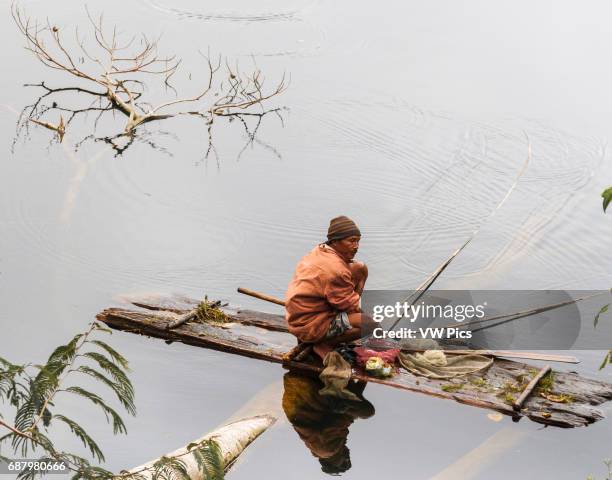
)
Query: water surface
[{"x": 413, "y": 119}]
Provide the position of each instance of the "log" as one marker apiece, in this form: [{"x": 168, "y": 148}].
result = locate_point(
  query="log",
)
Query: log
[
  {"x": 518, "y": 404},
  {"x": 232, "y": 439}
]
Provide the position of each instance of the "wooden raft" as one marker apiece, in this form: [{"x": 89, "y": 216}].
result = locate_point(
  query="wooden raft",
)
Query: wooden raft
[{"x": 264, "y": 336}]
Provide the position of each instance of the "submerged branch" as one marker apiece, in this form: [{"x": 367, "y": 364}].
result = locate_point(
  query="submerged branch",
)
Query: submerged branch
[{"x": 116, "y": 75}]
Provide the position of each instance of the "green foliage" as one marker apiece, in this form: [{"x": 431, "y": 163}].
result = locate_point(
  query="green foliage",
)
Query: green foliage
[
  {"x": 82, "y": 435},
  {"x": 210, "y": 460},
  {"x": 452, "y": 387},
  {"x": 112, "y": 415},
  {"x": 603, "y": 310},
  {"x": 607, "y": 360},
  {"x": 30, "y": 391},
  {"x": 478, "y": 381},
  {"x": 208, "y": 311},
  {"x": 170, "y": 468},
  {"x": 607, "y": 197},
  {"x": 117, "y": 358},
  {"x": 608, "y": 464},
  {"x": 119, "y": 389},
  {"x": 546, "y": 383}
]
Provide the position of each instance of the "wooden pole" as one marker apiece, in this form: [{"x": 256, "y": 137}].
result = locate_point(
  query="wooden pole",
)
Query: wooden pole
[
  {"x": 508, "y": 354},
  {"x": 529, "y": 388},
  {"x": 421, "y": 289},
  {"x": 261, "y": 296},
  {"x": 182, "y": 319}
]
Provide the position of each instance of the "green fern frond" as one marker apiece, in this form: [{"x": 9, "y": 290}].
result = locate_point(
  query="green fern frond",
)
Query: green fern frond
[
  {"x": 46, "y": 417},
  {"x": 112, "y": 369},
  {"x": 65, "y": 353},
  {"x": 111, "y": 415},
  {"x": 44, "y": 441},
  {"x": 170, "y": 468},
  {"x": 125, "y": 396},
  {"x": 210, "y": 460},
  {"x": 24, "y": 418},
  {"x": 90, "y": 472},
  {"x": 102, "y": 328},
  {"x": 82, "y": 435},
  {"x": 116, "y": 356},
  {"x": 5, "y": 363}
]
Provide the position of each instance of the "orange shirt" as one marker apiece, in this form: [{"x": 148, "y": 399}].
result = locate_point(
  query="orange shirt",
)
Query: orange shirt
[{"x": 321, "y": 287}]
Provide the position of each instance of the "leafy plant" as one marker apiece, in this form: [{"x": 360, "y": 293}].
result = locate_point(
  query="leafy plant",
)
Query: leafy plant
[
  {"x": 603, "y": 310},
  {"x": 30, "y": 391},
  {"x": 608, "y": 464},
  {"x": 607, "y": 197},
  {"x": 209, "y": 312},
  {"x": 608, "y": 358},
  {"x": 452, "y": 387}
]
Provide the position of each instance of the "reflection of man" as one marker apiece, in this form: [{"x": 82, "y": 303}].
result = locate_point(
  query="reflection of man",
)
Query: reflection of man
[
  {"x": 322, "y": 422},
  {"x": 322, "y": 301}
]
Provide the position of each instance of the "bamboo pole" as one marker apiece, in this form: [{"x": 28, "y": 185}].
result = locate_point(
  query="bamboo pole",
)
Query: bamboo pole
[
  {"x": 421, "y": 289},
  {"x": 508, "y": 354},
  {"x": 529, "y": 388},
  {"x": 508, "y": 317},
  {"x": 261, "y": 296}
]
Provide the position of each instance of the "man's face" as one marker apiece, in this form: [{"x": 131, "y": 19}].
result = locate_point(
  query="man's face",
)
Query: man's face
[{"x": 347, "y": 247}]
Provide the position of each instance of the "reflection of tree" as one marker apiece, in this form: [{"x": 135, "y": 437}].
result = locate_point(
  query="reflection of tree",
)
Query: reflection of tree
[
  {"x": 112, "y": 79},
  {"x": 323, "y": 422}
]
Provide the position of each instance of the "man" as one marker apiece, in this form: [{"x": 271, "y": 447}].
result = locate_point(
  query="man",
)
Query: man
[{"x": 322, "y": 301}]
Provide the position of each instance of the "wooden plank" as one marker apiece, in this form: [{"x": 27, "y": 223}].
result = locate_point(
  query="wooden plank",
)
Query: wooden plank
[{"x": 182, "y": 305}]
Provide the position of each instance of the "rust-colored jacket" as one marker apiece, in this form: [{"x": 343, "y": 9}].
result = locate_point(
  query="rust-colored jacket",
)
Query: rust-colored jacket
[{"x": 321, "y": 287}]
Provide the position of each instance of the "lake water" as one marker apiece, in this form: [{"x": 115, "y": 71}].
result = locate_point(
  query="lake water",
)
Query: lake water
[{"x": 413, "y": 118}]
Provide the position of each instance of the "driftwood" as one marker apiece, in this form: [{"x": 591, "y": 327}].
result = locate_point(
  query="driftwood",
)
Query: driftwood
[
  {"x": 232, "y": 439},
  {"x": 263, "y": 336},
  {"x": 518, "y": 404}
]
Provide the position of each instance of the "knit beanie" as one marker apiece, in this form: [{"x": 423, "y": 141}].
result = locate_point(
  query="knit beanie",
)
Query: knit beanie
[{"x": 341, "y": 227}]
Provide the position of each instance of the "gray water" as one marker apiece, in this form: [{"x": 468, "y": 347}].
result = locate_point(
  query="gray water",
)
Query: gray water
[{"x": 412, "y": 118}]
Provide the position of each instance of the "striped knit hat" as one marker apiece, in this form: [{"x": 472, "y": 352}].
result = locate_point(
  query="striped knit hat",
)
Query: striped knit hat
[{"x": 341, "y": 227}]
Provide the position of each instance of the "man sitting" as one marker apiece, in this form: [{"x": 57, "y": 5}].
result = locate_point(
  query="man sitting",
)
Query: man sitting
[{"x": 322, "y": 300}]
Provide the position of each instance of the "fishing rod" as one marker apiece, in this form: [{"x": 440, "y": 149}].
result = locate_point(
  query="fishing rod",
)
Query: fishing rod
[
  {"x": 423, "y": 287},
  {"x": 509, "y": 317}
]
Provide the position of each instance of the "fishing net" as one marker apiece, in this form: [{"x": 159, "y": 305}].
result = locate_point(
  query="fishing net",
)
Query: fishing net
[{"x": 434, "y": 366}]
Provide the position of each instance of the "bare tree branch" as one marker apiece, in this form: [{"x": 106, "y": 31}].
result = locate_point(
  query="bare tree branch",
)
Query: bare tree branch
[{"x": 115, "y": 74}]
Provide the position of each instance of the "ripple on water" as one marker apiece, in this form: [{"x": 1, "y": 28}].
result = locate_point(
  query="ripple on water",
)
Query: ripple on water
[
  {"x": 235, "y": 11},
  {"x": 269, "y": 29},
  {"x": 437, "y": 179}
]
